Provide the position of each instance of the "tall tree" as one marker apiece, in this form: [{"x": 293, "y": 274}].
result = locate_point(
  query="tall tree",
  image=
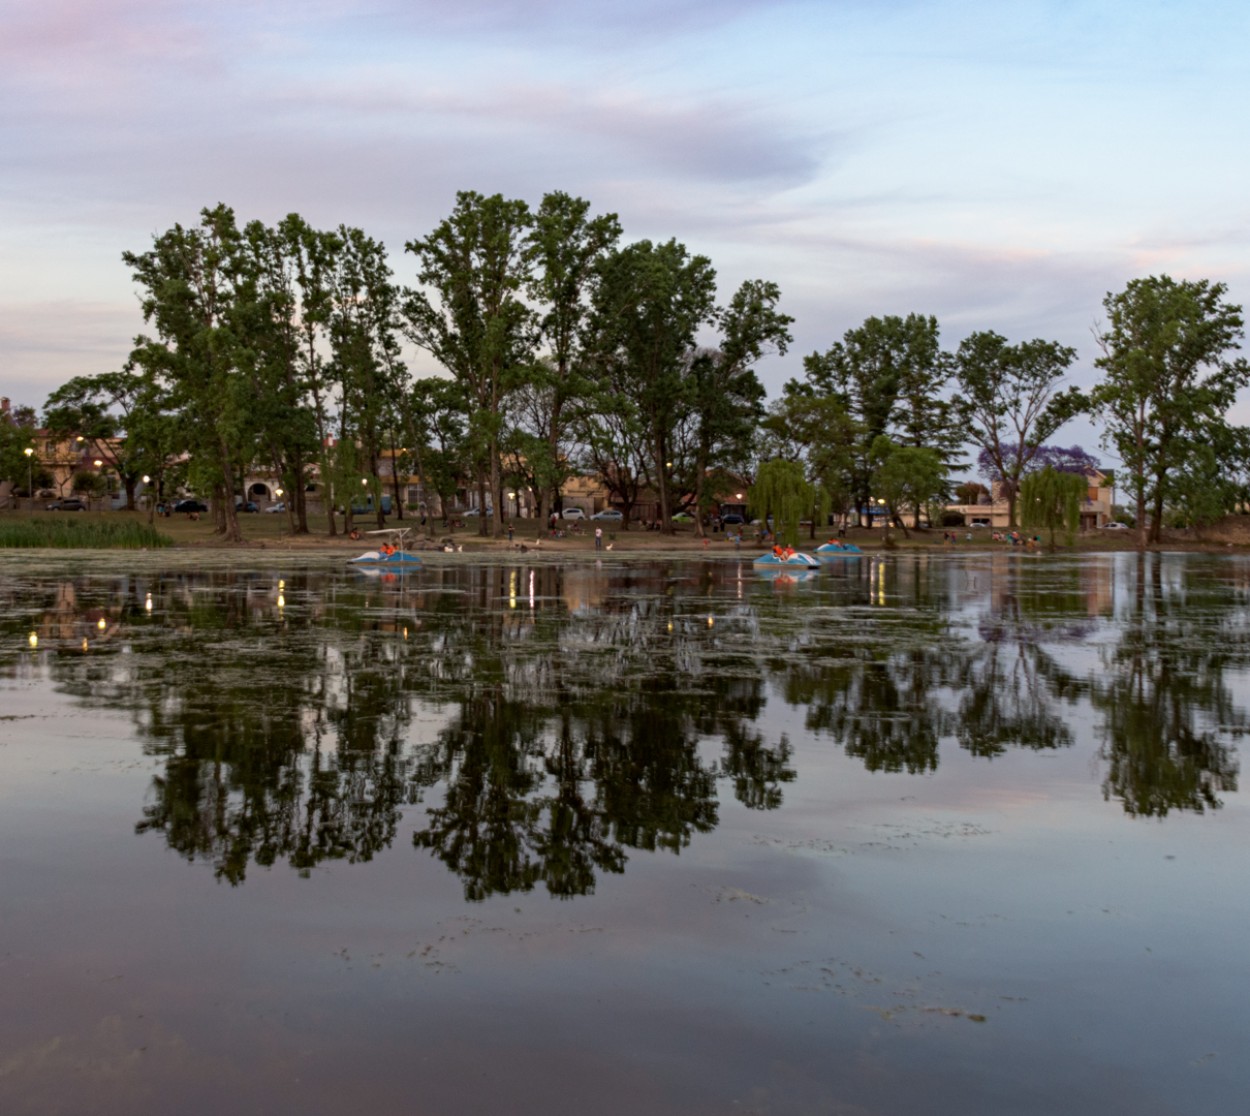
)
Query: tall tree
[
  {"x": 1168, "y": 375},
  {"x": 101, "y": 410},
  {"x": 471, "y": 317},
  {"x": 889, "y": 374},
  {"x": 1010, "y": 402},
  {"x": 726, "y": 396},
  {"x": 435, "y": 429},
  {"x": 17, "y": 435},
  {"x": 365, "y": 364},
  {"x": 906, "y": 478},
  {"x": 189, "y": 280},
  {"x": 614, "y": 445},
  {"x": 565, "y": 249},
  {"x": 818, "y": 430},
  {"x": 651, "y": 302},
  {"x": 285, "y": 326}
]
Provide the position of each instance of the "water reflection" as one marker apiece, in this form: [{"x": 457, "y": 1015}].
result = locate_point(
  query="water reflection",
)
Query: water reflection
[
  {"x": 1168, "y": 714},
  {"x": 539, "y": 725}
]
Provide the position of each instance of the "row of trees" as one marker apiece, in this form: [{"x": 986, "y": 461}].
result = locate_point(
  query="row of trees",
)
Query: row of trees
[
  {"x": 885, "y": 412},
  {"x": 565, "y": 350}
]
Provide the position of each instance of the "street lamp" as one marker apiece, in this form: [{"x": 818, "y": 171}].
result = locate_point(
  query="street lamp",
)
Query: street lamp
[{"x": 30, "y": 484}]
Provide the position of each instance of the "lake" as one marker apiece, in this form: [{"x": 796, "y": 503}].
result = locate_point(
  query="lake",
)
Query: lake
[{"x": 927, "y": 833}]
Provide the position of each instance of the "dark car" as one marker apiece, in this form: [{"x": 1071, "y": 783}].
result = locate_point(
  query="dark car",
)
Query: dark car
[
  {"x": 241, "y": 506},
  {"x": 733, "y": 519},
  {"x": 70, "y": 503},
  {"x": 184, "y": 506}
]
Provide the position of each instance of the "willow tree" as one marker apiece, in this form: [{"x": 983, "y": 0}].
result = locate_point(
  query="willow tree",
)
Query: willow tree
[
  {"x": 782, "y": 491},
  {"x": 1051, "y": 500}
]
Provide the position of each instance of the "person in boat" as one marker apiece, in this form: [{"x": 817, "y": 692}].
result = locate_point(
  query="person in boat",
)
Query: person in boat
[
  {"x": 790, "y": 552},
  {"x": 777, "y": 551}
]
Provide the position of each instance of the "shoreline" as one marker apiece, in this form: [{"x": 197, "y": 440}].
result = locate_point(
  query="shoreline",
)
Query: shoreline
[{"x": 267, "y": 533}]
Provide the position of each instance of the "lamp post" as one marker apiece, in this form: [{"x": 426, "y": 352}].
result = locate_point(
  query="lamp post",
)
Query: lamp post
[{"x": 30, "y": 483}]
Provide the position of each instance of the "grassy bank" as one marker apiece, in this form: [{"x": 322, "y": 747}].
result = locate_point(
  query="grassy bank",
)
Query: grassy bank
[{"x": 73, "y": 532}]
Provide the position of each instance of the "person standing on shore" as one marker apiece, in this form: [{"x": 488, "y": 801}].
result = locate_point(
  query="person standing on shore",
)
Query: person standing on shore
[{"x": 598, "y": 538}]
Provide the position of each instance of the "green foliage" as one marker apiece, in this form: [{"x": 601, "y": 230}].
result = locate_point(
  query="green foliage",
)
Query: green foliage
[
  {"x": 471, "y": 316},
  {"x": 566, "y": 248},
  {"x": 196, "y": 296},
  {"x": 906, "y": 477},
  {"x": 75, "y": 533},
  {"x": 1168, "y": 383},
  {"x": 15, "y": 438},
  {"x": 650, "y": 304},
  {"x": 1202, "y": 488},
  {"x": 890, "y": 376},
  {"x": 818, "y": 431},
  {"x": 1009, "y": 401},
  {"x": 783, "y": 492},
  {"x": 970, "y": 492},
  {"x": 1051, "y": 500},
  {"x": 105, "y": 410}
]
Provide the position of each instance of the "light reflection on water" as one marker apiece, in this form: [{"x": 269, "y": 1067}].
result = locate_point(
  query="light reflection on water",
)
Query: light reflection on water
[{"x": 820, "y": 842}]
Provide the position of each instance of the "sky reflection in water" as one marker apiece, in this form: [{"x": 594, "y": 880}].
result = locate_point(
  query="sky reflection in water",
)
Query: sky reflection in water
[{"x": 939, "y": 833}]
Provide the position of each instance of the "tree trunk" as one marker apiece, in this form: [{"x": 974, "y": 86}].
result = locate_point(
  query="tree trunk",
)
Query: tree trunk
[{"x": 661, "y": 469}]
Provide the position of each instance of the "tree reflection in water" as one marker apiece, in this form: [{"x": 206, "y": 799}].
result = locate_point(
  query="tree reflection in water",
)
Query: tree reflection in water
[
  {"x": 1168, "y": 713},
  {"x": 564, "y": 740},
  {"x": 543, "y": 724}
]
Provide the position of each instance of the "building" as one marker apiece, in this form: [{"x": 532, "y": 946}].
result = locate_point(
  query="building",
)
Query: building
[{"x": 1096, "y": 507}]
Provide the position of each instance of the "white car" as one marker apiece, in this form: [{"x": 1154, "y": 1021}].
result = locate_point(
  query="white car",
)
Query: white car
[
  {"x": 611, "y": 515},
  {"x": 572, "y": 513},
  {"x": 273, "y": 509},
  {"x": 1115, "y": 525}
]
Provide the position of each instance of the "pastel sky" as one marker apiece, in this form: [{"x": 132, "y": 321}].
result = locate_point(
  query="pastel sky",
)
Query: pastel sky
[{"x": 999, "y": 165}]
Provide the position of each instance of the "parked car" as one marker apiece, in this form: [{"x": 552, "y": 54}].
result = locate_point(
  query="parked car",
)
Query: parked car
[
  {"x": 683, "y": 517},
  {"x": 70, "y": 503},
  {"x": 610, "y": 515},
  {"x": 572, "y": 513},
  {"x": 1115, "y": 525},
  {"x": 191, "y": 505},
  {"x": 474, "y": 513},
  {"x": 274, "y": 508},
  {"x": 245, "y": 506},
  {"x": 733, "y": 519}
]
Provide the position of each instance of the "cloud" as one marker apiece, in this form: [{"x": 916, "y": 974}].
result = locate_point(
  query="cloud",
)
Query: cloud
[
  {"x": 592, "y": 22},
  {"x": 710, "y": 137}
]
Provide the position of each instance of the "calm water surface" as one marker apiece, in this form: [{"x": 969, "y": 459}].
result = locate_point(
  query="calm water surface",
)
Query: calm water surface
[{"x": 929, "y": 834}]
